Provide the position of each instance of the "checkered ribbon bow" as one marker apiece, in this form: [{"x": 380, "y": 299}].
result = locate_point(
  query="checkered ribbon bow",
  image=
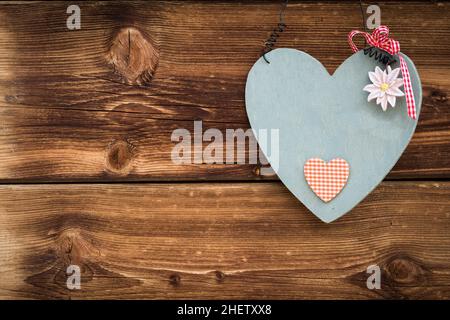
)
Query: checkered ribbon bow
[{"x": 380, "y": 39}]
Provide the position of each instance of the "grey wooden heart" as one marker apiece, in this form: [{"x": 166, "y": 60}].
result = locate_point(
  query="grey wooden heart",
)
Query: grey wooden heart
[{"x": 327, "y": 116}]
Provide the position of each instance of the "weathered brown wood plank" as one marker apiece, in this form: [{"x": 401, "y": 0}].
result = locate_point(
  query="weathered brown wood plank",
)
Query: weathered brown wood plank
[
  {"x": 229, "y": 240},
  {"x": 65, "y": 115}
]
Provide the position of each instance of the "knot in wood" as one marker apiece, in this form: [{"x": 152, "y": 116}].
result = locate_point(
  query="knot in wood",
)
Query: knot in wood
[
  {"x": 175, "y": 280},
  {"x": 133, "y": 56},
  {"x": 119, "y": 155},
  {"x": 74, "y": 248},
  {"x": 220, "y": 276},
  {"x": 405, "y": 270}
]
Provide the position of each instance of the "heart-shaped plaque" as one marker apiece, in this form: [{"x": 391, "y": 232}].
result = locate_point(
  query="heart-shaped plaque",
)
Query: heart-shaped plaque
[{"x": 325, "y": 116}]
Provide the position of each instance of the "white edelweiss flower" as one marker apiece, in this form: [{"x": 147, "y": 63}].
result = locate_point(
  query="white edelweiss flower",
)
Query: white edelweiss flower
[{"x": 384, "y": 87}]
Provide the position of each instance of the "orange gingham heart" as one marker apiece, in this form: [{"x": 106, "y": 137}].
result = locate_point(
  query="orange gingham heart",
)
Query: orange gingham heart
[{"x": 326, "y": 179}]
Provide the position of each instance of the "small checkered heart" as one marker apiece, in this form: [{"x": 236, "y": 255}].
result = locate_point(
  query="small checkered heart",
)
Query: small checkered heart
[{"x": 326, "y": 179}]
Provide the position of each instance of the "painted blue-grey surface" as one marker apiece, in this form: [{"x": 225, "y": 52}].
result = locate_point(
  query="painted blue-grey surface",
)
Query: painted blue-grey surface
[{"x": 319, "y": 115}]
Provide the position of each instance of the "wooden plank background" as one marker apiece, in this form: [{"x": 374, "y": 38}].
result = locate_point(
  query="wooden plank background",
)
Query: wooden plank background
[{"x": 74, "y": 119}]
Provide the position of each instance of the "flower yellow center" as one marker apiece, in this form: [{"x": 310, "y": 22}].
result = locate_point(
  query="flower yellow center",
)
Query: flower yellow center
[{"x": 384, "y": 86}]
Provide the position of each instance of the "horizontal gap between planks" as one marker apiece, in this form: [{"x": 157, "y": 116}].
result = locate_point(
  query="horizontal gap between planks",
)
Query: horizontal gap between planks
[{"x": 150, "y": 182}]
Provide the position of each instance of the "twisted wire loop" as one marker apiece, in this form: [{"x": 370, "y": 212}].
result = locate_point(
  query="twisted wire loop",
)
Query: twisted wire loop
[
  {"x": 379, "y": 55},
  {"x": 272, "y": 40},
  {"x": 373, "y": 52},
  {"x": 269, "y": 44}
]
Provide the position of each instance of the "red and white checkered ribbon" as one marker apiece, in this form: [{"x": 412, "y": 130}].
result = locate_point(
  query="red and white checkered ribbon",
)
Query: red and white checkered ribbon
[{"x": 380, "y": 39}]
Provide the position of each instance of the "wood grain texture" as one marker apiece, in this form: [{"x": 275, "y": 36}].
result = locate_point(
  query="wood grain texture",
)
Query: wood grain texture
[
  {"x": 70, "y": 112},
  {"x": 99, "y": 105},
  {"x": 213, "y": 240}
]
